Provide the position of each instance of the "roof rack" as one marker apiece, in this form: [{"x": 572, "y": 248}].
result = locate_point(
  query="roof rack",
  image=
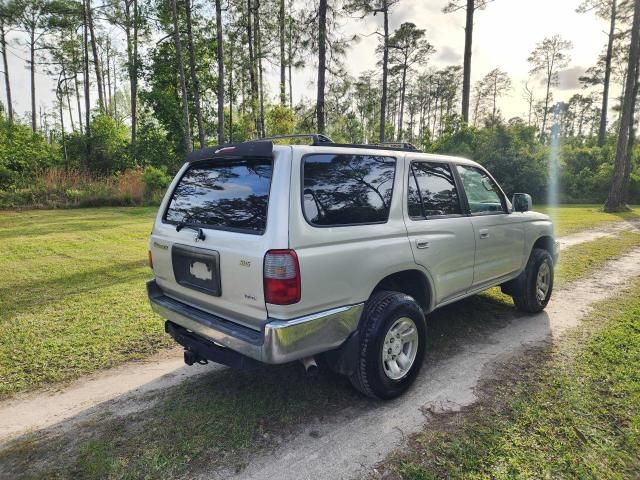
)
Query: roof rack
[
  {"x": 398, "y": 145},
  {"x": 318, "y": 138},
  {"x": 263, "y": 147}
]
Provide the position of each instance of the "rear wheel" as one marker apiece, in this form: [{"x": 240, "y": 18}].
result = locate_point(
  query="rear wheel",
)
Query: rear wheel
[
  {"x": 532, "y": 289},
  {"x": 391, "y": 347}
]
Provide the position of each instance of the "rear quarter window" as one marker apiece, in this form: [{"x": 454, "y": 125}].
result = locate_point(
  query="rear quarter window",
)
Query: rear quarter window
[
  {"x": 340, "y": 190},
  {"x": 223, "y": 195}
]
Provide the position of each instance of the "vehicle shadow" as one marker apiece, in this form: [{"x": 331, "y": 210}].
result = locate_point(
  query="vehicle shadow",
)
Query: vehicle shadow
[{"x": 218, "y": 419}]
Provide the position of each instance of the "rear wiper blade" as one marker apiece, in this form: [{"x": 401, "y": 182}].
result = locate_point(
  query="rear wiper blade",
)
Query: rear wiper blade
[{"x": 184, "y": 224}]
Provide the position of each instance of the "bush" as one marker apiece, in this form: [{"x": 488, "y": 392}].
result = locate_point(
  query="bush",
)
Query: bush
[
  {"x": 23, "y": 153},
  {"x": 155, "y": 180},
  {"x": 60, "y": 188}
]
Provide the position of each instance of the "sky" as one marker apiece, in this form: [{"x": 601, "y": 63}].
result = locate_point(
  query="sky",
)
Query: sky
[{"x": 504, "y": 35}]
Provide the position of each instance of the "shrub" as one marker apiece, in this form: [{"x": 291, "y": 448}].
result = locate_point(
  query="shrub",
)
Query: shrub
[{"x": 155, "y": 180}]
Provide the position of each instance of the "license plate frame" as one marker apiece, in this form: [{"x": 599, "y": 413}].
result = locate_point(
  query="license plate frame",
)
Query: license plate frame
[{"x": 197, "y": 269}]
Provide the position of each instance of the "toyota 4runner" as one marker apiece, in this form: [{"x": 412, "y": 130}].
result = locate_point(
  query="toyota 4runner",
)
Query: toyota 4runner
[{"x": 275, "y": 253}]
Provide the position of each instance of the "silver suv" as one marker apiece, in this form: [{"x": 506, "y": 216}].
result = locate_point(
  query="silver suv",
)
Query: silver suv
[{"x": 275, "y": 253}]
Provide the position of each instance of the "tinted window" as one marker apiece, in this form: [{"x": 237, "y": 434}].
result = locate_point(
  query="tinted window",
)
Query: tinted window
[
  {"x": 482, "y": 192},
  {"x": 431, "y": 185},
  {"x": 347, "y": 189},
  {"x": 223, "y": 195}
]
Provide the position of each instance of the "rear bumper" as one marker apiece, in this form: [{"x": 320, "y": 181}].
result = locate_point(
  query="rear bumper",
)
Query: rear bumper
[{"x": 279, "y": 341}]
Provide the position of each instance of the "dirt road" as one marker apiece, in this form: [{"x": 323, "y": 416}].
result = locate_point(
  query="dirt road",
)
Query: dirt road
[{"x": 356, "y": 439}]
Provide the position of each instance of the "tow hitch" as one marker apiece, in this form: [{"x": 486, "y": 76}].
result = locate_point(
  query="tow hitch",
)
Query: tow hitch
[{"x": 191, "y": 357}]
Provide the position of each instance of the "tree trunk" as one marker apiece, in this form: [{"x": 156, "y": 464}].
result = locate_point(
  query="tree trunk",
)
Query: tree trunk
[
  {"x": 7, "y": 83},
  {"x": 546, "y": 105},
  {"x": 466, "y": 75},
  {"x": 632, "y": 128},
  {"x": 131, "y": 32},
  {"x": 283, "y": 93},
  {"x": 602, "y": 131},
  {"x": 183, "y": 85},
  {"x": 77, "y": 86},
  {"x": 322, "y": 64},
  {"x": 115, "y": 90},
  {"x": 258, "y": 52},
  {"x": 385, "y": 71},
  {"x": 32, "y": 68},
  {"x": 220, "y": 54},
  {"x": 252, "y": 67},
  {"x": 620, "y": 183},
  {"x": 85, "y": 62},
  {"x": 195, "y": 84},
  {"x": 109, "y": 99},
  {"x": 66, "y": 88},
  {"x": 290, "y": 62},
  {"x": 230, "y": 92},
  {"x": 495, "y": 97},
  {"x": 60, "y": 96},
  {"x": 402, "y": 97},
  {"x": 96, "y": 60},
  {"x": 134, "y": 81}
]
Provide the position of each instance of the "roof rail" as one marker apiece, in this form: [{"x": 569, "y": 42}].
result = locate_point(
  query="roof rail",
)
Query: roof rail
[
  {"x": 318, "y": 138},
  {"x": 398, "y": 145},
  {"x": 263, "y": 147}
]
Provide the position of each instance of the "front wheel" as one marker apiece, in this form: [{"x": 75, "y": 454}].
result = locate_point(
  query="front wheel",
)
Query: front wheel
[
  {"x": 392, "y": 345},
  {"x": 533, "y": 288}
]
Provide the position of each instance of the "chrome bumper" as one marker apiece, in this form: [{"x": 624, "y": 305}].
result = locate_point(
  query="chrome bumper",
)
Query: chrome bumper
[{"x": 280, "y": 341}]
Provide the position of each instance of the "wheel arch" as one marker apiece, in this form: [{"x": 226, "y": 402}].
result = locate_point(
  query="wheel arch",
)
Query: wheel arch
[
  {"x": 412, "y": 282},
  {"x": 545, "y": 242}
]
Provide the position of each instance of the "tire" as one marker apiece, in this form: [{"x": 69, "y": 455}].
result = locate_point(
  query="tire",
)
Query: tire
[
  {"x": 388, "y": 311},
  {"x": 526, "y": 294}
]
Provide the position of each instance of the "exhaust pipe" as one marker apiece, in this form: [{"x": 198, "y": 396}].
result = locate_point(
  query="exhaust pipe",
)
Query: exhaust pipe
[{"x": 310, "y": 366}]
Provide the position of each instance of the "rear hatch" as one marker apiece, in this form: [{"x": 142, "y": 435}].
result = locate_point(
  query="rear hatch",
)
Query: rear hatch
[{"x": 213, "y": 230}]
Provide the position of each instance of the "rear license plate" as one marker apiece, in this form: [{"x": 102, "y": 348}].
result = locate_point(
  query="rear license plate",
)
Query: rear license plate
[{"x": 197, "y": 268}]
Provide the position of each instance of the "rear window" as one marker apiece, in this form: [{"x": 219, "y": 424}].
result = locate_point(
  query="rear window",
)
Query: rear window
[
  {"x": 224, "y": 195},
  {"x": 347, "y": 189}
]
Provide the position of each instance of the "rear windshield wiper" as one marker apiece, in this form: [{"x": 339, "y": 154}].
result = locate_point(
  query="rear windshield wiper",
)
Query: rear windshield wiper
[{"x": 185, "y": 224}]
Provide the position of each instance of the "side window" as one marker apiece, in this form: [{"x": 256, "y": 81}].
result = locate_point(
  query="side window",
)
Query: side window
[
  {"x": 482, "y": 192},
  {"x": 347, "y": 189},
  {"x": 432, "y": 190}
]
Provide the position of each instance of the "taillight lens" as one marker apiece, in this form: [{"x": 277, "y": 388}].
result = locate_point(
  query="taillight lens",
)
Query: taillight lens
[
  {"x": 150, "y": 260},
  {"x": 281, "y": 277}
]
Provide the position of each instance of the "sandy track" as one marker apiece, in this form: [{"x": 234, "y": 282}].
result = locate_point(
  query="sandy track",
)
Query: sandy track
[
  {"x": 350, "y": 446},
  {"x": 127, "y": 388}
]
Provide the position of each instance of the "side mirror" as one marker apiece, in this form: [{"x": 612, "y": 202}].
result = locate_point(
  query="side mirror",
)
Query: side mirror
[{"x": 522, "y": 202}]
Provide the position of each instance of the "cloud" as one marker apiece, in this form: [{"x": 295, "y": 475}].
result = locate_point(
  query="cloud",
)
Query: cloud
[
  {"x": 569, "y": 78},
  {"x": 447, "y": 54}
]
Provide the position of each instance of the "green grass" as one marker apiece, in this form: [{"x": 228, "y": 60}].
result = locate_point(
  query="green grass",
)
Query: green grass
[
  {"x": 572, "y": 412},
  {"x": 579, "y": 260},
  {"x": 573, "y": 218},
  {"x": 72, "y": 294}
]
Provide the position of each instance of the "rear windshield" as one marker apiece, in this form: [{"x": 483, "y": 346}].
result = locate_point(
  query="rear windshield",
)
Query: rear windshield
[
  {"x": 224, "y": 195},
  {"x": 347, "y": 189}
]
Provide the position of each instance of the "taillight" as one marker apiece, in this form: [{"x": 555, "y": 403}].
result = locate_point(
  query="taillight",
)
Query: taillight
[
  {"x": 281, "y": 277},
  {"x": 150, "y": 260}
]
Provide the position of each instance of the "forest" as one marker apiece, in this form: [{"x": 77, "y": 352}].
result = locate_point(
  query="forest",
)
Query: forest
[{"x": 139, "y": 83}]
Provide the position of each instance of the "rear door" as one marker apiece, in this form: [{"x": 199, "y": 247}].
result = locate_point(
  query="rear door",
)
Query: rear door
[
  {"x": 212, "y": 232},
  {"x": 440, "y": 233},
  {"x": 499, "y": 234}
]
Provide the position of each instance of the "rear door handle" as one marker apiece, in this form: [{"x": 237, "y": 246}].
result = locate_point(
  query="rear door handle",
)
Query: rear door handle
[
  {"x": 484, "y": 233},
  {"x": 422, "y": 244}
]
